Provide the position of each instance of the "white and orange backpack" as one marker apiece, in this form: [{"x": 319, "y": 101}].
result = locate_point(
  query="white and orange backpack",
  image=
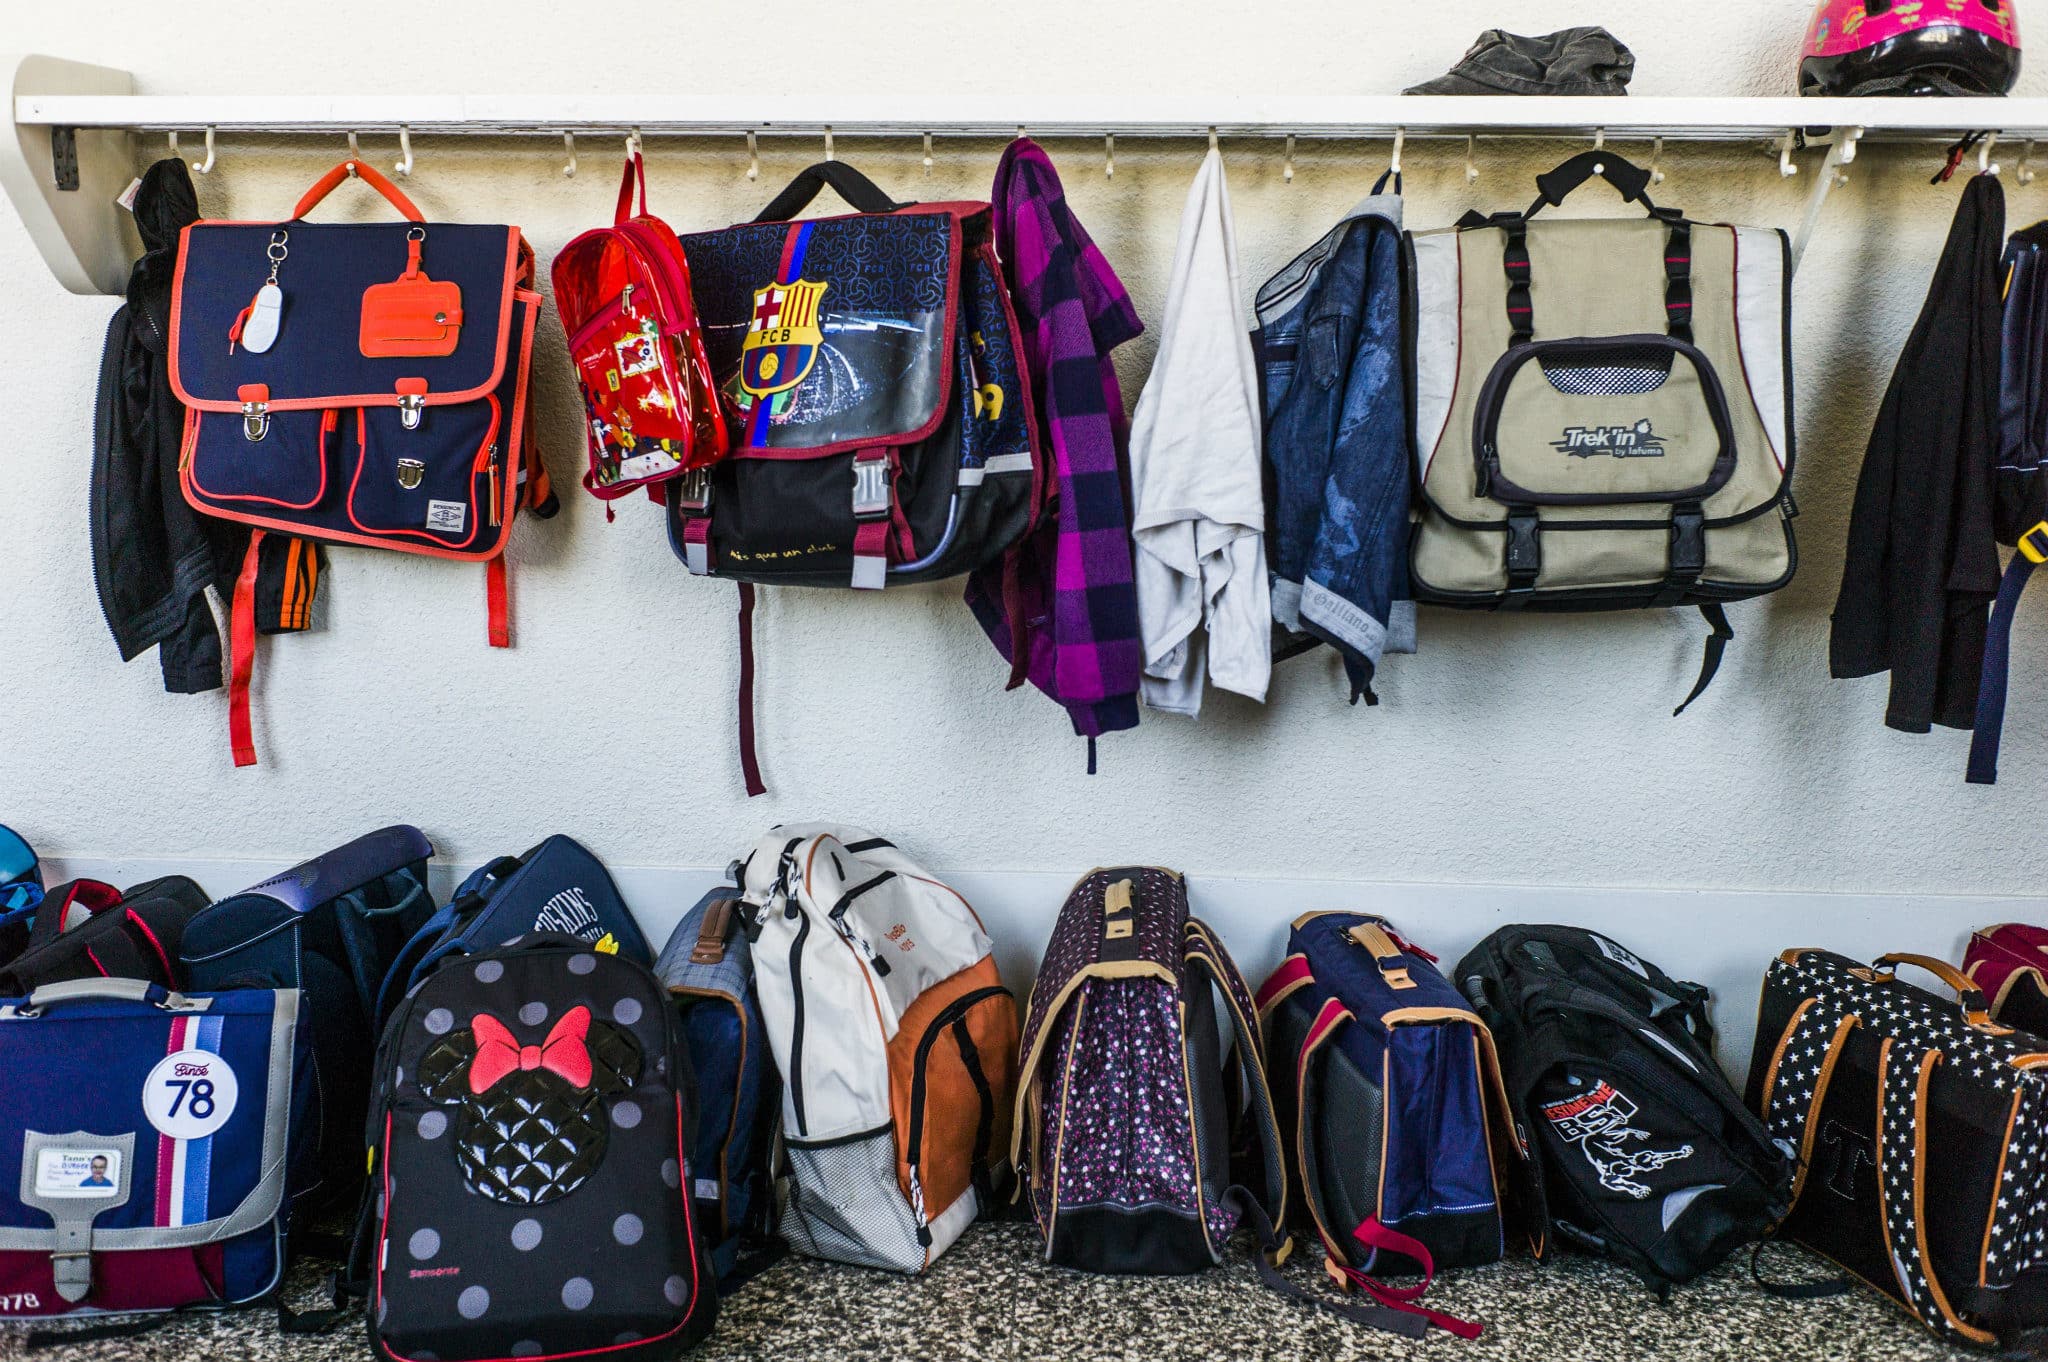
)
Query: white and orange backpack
[{"x": 896, "y": 1040}]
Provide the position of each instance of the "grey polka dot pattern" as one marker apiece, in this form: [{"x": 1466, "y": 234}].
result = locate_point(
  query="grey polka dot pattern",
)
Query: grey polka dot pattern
[
  {"x": 627, "y": 1229},
  {"x": 383, "y": 1309},
  {"x": 533, "y": 1014},
  {"x": 526, "y": 1235},
  {"x": 473, "y": 1302},
  {"x": 626, "y": 1011},
  {"x": 582, "y": 964},
  {"x": 489, "y": 971},
  {"x": 627, "y": 1337},
  {"x": 675, "y": 1290},
  {"x": 433, "y": 1124},
  {"x": 672, "y": 1173},
  {"x": 526, "y": 1347},
  {"x": 398, "y": 1075},
  {"x": 424, "y": 1244},
  {"x": 439, "y": 1022},
  {"x": 626, "y": 1114},
  {"x": 577, "y": 1292}
]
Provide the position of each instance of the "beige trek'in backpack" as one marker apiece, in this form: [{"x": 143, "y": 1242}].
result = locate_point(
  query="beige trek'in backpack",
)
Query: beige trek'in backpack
[{"x": 1603, "y": 409}]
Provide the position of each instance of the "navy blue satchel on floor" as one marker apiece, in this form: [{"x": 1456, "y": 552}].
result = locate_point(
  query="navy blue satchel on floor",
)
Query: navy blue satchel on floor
[
  {"x": 357, "y": 383},
  {"x": 557, "y": 886},
  {"x": 149, "y": 1148},
  {"x": 708, "y": 970},
  {"x": 330, "y": 928}
]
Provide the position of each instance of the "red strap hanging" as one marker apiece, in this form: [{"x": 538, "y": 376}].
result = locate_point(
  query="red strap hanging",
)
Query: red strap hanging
[
  {"x": 749, "y": 766},
  {"x": 242, "y": 653},
  {"x": 1375, "y": 1235},
  {"x": 499, "y": 605}
]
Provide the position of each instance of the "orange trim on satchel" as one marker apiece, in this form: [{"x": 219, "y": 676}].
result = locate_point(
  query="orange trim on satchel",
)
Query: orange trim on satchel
[
  {"x": 242, "y": 654},
  {"x": 370, "y": 176}
]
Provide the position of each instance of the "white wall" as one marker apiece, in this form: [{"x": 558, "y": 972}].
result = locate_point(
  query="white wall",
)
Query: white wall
[{"x": 1517, "y": 752}]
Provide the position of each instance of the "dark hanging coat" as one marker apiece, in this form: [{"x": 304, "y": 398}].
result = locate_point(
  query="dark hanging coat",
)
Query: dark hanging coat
[
  {"x": 1922, "y": 563},
  {"x": 153, "y": 555}
]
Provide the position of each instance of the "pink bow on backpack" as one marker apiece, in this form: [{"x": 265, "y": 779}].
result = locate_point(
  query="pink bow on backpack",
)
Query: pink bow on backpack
[{"x": 498, "y": 1053}]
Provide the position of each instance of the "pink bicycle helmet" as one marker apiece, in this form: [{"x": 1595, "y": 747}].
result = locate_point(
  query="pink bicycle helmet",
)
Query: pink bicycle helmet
[{"x": 1911, "y": 47}]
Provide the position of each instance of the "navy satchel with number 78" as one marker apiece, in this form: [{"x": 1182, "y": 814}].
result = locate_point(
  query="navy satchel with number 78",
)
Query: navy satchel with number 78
[{"x": 357, "y": 383}]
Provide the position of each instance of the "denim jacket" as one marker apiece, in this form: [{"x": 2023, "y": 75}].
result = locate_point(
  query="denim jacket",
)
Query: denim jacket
[{"x": 1339, "y": 402}]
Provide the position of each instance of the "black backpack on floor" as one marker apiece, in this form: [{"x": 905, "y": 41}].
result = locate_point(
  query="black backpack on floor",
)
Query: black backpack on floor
[
  {"x": 531, "y": 1198},
  {"x": 1647, "y": 1153}
]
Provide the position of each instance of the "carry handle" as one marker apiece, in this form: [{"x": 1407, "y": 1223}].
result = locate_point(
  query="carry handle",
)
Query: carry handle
[
  {"x": 326, "y": 183},
  {"x": 1630, "y": 180},
  {"x": 1393, "y": 966},
  {"x": 1976, "y": 1010},
  {"x": 861, "y": 193},
  {"x": 117, "y": 990},
  {"x": 636, "y": 172}
]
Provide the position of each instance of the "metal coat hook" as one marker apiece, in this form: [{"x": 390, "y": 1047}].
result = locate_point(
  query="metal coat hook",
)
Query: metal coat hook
[
  {"x": 633, "y": 146},
  {"x": 828, "y": 143},
  {"x": 174, "y": 145},
  {"x": 1985, "y": 165},
  {"x": 1400, "y": 140},
  {"x": 355, "y": 153},
  {"x": 2023, "y": 173},
  {"x": 1786, "y": 165},
  {"x": 404, "y": 166},
  {"x": 927, "y": 156},
  {"x": 1109, "y": 156},
  {"x": 753, "y": 156},
  {"x": 569, "y": 145},
  {"x": 204, "y": 167},
  {"x": 1213, "y": 144},
  {"x": 1656, "y": 155},
  {"x": 1599, "y": 144},
  {"x": 1287, "y": 164},
  {"x": 1471, "y": 159}
]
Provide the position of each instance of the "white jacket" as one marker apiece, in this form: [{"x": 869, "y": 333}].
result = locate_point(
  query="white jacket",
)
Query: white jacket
[{"x": 1199, "y": 516}]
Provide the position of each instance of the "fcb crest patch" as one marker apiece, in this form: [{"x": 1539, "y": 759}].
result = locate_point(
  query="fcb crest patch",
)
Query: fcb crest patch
[{"x": 783, "y": 337}]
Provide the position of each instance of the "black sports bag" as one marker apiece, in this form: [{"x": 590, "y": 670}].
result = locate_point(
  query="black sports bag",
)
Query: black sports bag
[
  {"x": 528, "y": 1133},
  {"x": 1647, "y": 1154}
]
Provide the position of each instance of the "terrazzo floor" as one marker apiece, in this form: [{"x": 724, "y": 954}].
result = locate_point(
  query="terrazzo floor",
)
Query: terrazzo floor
[{"x": 991, "y": 1298}]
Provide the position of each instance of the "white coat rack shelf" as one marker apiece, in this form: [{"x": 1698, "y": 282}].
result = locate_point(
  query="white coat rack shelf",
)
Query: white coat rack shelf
[{"x": 73, "y": 150}]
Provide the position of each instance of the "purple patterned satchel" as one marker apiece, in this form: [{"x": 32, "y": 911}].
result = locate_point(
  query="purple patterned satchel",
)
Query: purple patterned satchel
[{"x": 1133, "y": 1121}]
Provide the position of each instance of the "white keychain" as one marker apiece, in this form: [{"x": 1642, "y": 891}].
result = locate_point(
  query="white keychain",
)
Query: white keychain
[{"x": 256, "y": 329}]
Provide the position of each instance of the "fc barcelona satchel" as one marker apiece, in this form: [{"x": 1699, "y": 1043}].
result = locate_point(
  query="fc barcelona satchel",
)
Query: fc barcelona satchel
[
  {"x": 1919, "y": 1124},
  {"x": 882, "y": 428},
  {"x": 151, "y": 1148},
  {"x": 357, "y": 383}
]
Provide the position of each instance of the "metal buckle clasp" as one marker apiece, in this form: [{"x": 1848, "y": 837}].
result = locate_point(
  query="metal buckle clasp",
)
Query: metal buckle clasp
[
  {"x": 410, "y": 405},
  {"x": 2034, "y": 543},
  {"x": 255, "y": 420},
  {"x": 693, "y": 490},
  {"x": 870, "y": 487}
]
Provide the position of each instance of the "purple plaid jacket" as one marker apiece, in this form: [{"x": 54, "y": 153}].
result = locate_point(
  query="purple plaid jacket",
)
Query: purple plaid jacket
[{"x": 1065, "y": 593}]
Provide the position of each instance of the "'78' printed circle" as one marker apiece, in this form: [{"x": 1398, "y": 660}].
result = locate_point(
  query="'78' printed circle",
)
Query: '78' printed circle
[{"x": 190, "y": 1094}]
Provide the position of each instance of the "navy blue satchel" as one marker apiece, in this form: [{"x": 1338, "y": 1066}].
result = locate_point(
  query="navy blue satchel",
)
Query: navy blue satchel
[{"x": 357, "y": 383}]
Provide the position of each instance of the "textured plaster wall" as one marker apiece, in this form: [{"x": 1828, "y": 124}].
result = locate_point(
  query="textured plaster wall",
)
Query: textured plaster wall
[{"x": 1510, "y": 750}]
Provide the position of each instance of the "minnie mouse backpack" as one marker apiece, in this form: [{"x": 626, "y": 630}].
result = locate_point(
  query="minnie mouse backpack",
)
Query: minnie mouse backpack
[{"x": 530, "y": 1192}]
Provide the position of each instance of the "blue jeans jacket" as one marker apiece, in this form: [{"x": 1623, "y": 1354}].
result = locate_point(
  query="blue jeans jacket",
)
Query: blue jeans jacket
[{"x": 1338, "y": 391}]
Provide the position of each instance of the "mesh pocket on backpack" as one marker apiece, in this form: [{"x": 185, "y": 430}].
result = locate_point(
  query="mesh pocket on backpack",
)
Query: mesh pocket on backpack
[
  {"x": 1616, "y": 373},
  {"x": 842, "y": 1202}
]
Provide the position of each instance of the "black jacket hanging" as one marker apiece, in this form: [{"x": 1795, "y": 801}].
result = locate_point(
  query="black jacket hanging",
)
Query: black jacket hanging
[
  {"x": 153, "y": 556},
  {"x": 1922, "y": 564}
]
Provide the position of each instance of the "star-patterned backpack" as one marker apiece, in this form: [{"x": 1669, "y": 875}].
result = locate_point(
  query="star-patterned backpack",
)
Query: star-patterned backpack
[
  {"x": 1918, "y": 1122},
  {"x": 529, "y": 1164}
]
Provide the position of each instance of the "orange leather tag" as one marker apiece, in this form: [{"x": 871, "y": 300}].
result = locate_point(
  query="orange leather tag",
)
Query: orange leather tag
[{"x": 411, "y": 315}]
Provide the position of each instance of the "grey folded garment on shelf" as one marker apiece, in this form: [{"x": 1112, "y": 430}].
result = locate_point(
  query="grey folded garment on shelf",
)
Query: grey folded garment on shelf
[{"x": 1571, "y": 61}]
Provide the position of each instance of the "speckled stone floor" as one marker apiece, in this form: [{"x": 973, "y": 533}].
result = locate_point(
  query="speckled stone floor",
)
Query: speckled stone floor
[{"x": 992, "y": 1298}]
